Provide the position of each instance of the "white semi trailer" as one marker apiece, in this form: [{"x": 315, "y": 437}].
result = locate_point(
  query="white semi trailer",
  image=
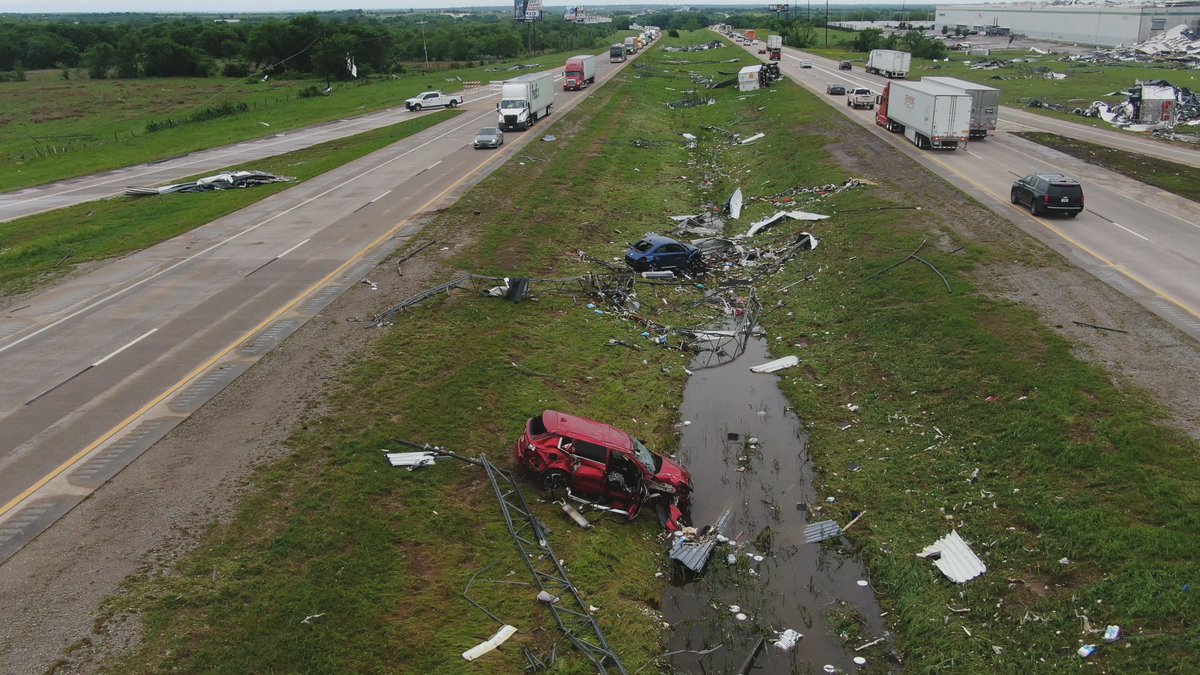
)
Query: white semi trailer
[
  {"x": 985, "y": 103},
  {"x": 932, "y": 116},
  {"x": 889, "y": 63},
  {"x": 524, "y": 100}
]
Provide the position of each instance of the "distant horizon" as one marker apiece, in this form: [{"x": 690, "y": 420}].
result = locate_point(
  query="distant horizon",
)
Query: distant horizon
[{"x": 235, "y": 7}]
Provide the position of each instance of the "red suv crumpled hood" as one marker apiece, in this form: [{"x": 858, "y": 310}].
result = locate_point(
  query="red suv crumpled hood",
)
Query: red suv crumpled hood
[{"x": 673, "y": 474}]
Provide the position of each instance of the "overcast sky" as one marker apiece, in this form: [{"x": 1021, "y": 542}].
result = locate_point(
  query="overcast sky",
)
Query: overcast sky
[{"x": 210, "y": 6}]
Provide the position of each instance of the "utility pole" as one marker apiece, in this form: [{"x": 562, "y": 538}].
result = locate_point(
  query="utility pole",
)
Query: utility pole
[
  {"x": 424, "y": 44},
  {"x": 826, "y": 23}
]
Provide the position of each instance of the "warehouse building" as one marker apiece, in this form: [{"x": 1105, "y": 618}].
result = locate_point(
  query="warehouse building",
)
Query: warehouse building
[{"x": 1100, "y": 24}]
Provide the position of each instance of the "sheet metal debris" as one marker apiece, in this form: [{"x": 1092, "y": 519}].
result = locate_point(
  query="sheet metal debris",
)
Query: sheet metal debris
[
  {"x": 954, "y": 558},
  {"x": 751, "y": 139},
  {"x": 691, "y": 103},
  {"x": 735, "y": 204},
  {"x": 777, "y": 364},
  {"x": 221, "y": 181},
  {"x": 412, "y": 460},
  {"x": 693, "y": 551},
  {"x": 760, "y": 225},
  {"x": 826, "y": 529},
  {"x": 506, "y": 631}
]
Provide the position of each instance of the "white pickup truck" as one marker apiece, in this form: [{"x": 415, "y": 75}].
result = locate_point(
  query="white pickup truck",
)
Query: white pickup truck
[
  {"x": 860, "y": 98},
  {"x": 433, "y": 99}
]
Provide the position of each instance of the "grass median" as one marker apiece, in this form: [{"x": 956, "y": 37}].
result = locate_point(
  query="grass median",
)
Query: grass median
[{"x": 1070, "y": 468}]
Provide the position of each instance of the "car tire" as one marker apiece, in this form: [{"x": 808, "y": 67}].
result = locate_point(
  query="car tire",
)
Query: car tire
[
  {"x": 555, "y": 479},
  {"x": 1036, "y": 209},
  {"x": 1072, "y": 214},
  {"x": 1013, "y": 197},
  {"x": 416, "y": 107},
  {"x": 453, "y": 104}
]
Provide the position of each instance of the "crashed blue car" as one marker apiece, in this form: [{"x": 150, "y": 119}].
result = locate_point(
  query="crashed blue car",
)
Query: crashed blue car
[{"x": 654, "y": 252}]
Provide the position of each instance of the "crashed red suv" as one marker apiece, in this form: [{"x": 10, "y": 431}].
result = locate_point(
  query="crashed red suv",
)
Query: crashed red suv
[{"x": 594, "y": 459}]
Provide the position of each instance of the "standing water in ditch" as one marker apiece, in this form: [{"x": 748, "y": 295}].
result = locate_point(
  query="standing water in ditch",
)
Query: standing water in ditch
[{"x": 746, "y": 453}]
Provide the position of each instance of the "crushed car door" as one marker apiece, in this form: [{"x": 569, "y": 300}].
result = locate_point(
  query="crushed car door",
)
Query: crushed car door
[{"x": 592, "y": 463}]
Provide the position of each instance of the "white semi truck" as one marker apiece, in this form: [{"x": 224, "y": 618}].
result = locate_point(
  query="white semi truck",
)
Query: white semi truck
[
  {"x": 985, "y": 103},
  {"x": 930, "y": 115},
  {"x": 889, "y": 63},
  {"x": 524, "y": 100}
]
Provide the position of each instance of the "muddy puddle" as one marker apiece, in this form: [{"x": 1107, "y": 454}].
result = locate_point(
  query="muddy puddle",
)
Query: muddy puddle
[{"x": 745, "y": 450}]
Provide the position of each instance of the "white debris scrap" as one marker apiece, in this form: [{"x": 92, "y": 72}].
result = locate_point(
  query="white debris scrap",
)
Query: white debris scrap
[
  {"x": 954, "y": 558},
  {"x": 763, "y": 224},
  {"x": 777, "y": 364},
  {"x": 489, "y": 644},
  {"x": 788, "y": 639}
]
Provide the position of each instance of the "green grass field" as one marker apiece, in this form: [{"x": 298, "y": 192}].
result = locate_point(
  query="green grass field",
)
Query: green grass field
[
  {"x": 1069, "y": 465},
  {"x": 53, "y": 129}
]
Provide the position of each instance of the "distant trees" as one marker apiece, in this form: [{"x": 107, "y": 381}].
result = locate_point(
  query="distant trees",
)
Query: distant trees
[{"x": 146, "y": 46}]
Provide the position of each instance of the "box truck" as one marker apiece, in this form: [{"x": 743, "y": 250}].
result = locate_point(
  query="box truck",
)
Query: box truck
[
  {"x": 616, "y": 53},
  {"x": 889, "y": 63},
  {"x": 774, "y": 47},
  {"x": 524, "y": 100},
  {"x": 985, "y": 103},
  {"x": 930, "y": 115},
  {"x": 631, "y": 45},
  {"x": 579, "y": 72},
  {"x": 751, "y": 35}
]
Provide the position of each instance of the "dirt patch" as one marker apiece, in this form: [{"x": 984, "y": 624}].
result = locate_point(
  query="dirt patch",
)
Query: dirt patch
[{"x": 197, "y": 475}]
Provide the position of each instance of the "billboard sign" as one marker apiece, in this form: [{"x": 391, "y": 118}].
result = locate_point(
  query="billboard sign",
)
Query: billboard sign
[{"x": 527, "y": 11}]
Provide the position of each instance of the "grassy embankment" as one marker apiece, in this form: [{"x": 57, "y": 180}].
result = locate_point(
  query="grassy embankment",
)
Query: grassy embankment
[
  {"x": 1178, "y": 179},
  {"x": 1070, "y": 467},
  {"x": 55, "y": 129},
  {"x": 37, "y": 249}
]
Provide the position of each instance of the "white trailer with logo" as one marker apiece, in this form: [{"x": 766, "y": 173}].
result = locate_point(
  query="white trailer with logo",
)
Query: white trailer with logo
[
  {"x": 524, "y": 100},
  {"x": 930, "y": 115}
]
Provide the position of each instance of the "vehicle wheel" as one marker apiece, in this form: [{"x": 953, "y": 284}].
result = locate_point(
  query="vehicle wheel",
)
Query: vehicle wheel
[
  {"x": 871, "y": 107},
  {"x": 1036, "y": 209},
  {"x": 453, "y": 104},
  {"x": 1012, "y": 197},
  {"x": 416, "y": 107},
  {"x": 555, "y": 479},
  {"x": 1072, "y": 214}
]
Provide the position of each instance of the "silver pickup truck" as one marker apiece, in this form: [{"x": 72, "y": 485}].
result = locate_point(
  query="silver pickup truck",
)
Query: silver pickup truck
[{"x": 860, "y": 97}]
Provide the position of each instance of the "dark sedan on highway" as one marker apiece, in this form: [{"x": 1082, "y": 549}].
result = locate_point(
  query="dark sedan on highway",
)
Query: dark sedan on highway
[{"x": 489, "y": 137}]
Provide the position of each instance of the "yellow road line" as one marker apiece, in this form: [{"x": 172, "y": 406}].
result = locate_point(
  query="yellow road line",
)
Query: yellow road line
[
  {"x": 1083, "y": 247},
  {"x": 25, "y": 494}
]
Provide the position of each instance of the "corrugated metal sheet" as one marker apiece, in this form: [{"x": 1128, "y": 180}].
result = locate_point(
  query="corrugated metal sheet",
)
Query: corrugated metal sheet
[
  {"x": 412, "y": 460},
  {"x": 826, "y": 529},
  {"x": 777, "y": 364},
  {"x": 954, "y": 558},
  {"x": 694, "y": 553}
]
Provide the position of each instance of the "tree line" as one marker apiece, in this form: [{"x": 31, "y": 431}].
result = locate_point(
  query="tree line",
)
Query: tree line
[{"x": 308, "y": 44}]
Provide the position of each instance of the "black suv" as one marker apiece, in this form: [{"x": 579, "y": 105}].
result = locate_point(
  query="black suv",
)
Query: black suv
[{"x": 1047, "y": 193}]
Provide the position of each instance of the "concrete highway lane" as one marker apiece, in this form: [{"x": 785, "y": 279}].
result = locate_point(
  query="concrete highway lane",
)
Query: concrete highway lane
[
  {"x": 1142, "y": 241},
  {"x": 101, "y": 366}
]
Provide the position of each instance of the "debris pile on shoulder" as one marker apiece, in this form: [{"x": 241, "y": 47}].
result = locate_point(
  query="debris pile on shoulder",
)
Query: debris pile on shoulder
[{"x": 222, "y": 181}]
